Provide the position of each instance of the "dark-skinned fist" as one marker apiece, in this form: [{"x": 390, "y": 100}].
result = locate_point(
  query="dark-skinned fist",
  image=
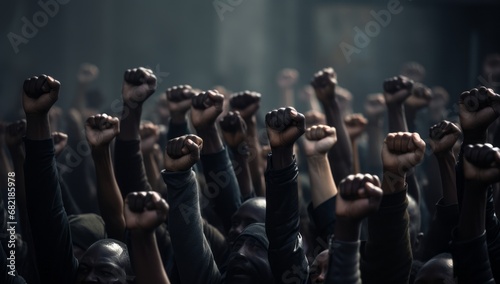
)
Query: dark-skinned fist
[
  {"x": 359, "y": 196},
  {"x": 247, "y": 103},
  {"x": 145, "y": 211},
  {"x": 138, "y": 85},
  {"x": 284, "y": 127},
  {"x": 39, "y": 94},
  {"x": 206, "y": 107},
  {"x": 397, "y": 90},
  {"x": 233, "y": 129},
  {"x": 324, "y": 83},
  {"x": 482, "y": 163},
  {"x": 182, "y": 152},
  {"x": 443, "y": 136}
]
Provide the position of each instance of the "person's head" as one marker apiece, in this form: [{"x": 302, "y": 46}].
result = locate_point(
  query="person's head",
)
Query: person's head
[
  {"x": 106, "y": 261},
  {"x": 414, "y": 71},
  {"x": 491, "y": 70},
  {"x": 319, "y": 268},
  {"x": 86, "y": 229},
  {"x": 251, "y": 211},
  {"x": 438, "y": 269},
  {"x": 248, "y": 262},
  {"x": 415, "y": 234}
]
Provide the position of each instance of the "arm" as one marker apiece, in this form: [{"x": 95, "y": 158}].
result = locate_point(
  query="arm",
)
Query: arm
[
  {"x": 144, "y": 212},
  {"x": 178, "y": 103},
  {"x": 287, "y": 78},
  {"x": 150, "y": 133},
  {"x": 355, "y": 125},
  {"x": 100, "y": 130},
  {"x": 49, "y": 223},
  {"x": 359, "y": 196},
  {"x": 87, "y": 73},
  {"x": 233, "y": 129},
  {"x": 222, "y": 186},
  {"x": 138, "y": 85},
  {"x": 387, "y": 256},
  {"x": 192, "y": 251},
  {"x": 286, "y": 255},
  {"x": 374, "y": 111},
  {"x": 340, "y": 156}
]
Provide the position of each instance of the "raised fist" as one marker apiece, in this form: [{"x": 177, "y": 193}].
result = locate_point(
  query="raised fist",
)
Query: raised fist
[
  {"x": 179, "y": 98},
  {"x": 443, "y": 136},
  {"x": 319, "y": 140},
  {"x": 182, "y": 152},
  {"x": 100, "y": 129},
  {"x": 420, "y": 97},
  {"x": 206, "y": 107},
  {"x": 324, "y": 83},
  {"x": 478, "y": 109},
  {"x": 138, "y": 85},
  {"x": 355, "y": 125},
  {"x": 375, "y": 105},
  {"x": 14, "y": 133},
  {"x": 284, "y": 127},
  {"x": 150, "y": 133},
  {"x": 233, "y": 129},
  {"x": 40, "y": 93},
  {"x": 60, "y": 140},
  {"x": 401, "y": 152},
  {"x": 359, "y": 195},
  {"x": 482, "y": 163},
  {"x": 87, "y": 73},
  {"x": 314, "y": 117},
  {"x": 287, "y": 78},
  {"x": 145, "y": 211},
  {"x": 246, "y": 102},
  {"x": 397, "y": 90}
]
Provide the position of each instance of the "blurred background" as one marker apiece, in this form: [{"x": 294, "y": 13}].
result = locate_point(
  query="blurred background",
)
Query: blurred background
[{"x": 243, "y": 44}]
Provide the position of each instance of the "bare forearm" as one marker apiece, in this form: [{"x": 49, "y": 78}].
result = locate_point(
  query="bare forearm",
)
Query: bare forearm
[
  {"x": 38, "y": 127},
  {"x": 152, "y": 169},
  {"x": 374, "y": 130},
  {"x": 146, "y": 259},
  {"x": 130, "y": 121},
  {"x": 242, "y": 172},
  {"x": 108, "y": 194},
  {"x": 212, "y": 142},
  {"x": 254, "y": 161},
  {"x": 446, "y": 164},
  {"x": 397, "y": 120},
  {"x": 321, "y": 179}
]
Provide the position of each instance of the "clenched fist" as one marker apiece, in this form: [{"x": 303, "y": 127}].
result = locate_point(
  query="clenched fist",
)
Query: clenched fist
[
  {"x": 443, "y": 136},
  {"x": 355, "y": 125},
  {"x": 40, "y": 93},
  {"x": 60, "y": 140},
  {"x": 287, "y": 78},
  {"x": 14, "y": 133},
  {"x": 246, "y": 102},
  {"x": 233, "y": 129},
  {"x": 145, "y": 211},
  {"x": 206, "y": 107},
  {"x": 397, "y": 90},
  {"x": 182, "y": 153},
  {"x": 179, "y": 98},
  {"x": 314, "y": 117},
  {"x": 359, "y": 196},
  {"x": 150, "y": 133},
  {"x": 401, "y": 152},
  {"x": 420, "y": 96},
  {"x": 138, "y": 85},
  {"x": 284, "y": 127},
  {"x": 100, "y": 129},
  {"x": 478, "y": 109},
  {"x": 482, "y": 163},
  {"x": 375, "y": 105},
  {"x": 324, "y": 83},
  {"x": 319, "y": 140}
]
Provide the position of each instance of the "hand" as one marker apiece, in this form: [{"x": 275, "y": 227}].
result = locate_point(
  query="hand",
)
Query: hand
[
  {"x": 206, "y": 107},
  {"x": 179, "y": 99},
  {"x": 60, "y": 140},
  {"x": 145, "y": 211},
  {"x": 150, "y": 133},
  {"x": 287, "y": 78},
  {"x": 233, "y": 129},
  {"x": 359, "y": 196},
  {"x": 375, "y": 105},
  {"x": 319, "y": 140},
  {"x": 39, "y": 94},
  {"x": 397, "y": 90},
  {"x": 14, "y": 134},
  {"x": 246, "y": 103},
  {"x": 401, "y": 152},
  {"x": 482, "y": 163},
  {"x": 324, "y": 83},
  {"x": 355, "y": 125},
  {"x": 314, "y": 118},
  {"x": 138, "y": 85},
  {"x": 420, "y": 97},
  {"x": 100, "y": 129},
  {"x": 478, "y": 109},
  {"x": 182, "y": 153},
  {"x": 87, "y": 73},
  {"x": 284, "y": 127},
  {"x": 443, "y": 136}
]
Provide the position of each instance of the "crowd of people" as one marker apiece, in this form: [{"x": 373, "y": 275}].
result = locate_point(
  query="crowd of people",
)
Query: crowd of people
[{"x": 205, "y": 190}]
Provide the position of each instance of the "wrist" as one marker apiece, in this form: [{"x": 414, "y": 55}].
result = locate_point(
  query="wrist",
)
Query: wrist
[
  {"x": 392, "y": 183},
  {"x": 281, "y": 157},
  {"x": 38, "y": 127},
  {"x": 347, "y": 229},
  {"x": 178, "y": 118}
]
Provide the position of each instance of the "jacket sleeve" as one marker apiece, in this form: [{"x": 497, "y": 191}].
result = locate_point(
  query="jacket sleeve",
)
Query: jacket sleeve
[
  {"x": 176, "y": 130},
  {"x": 286, "y": 254},
  {"x": 49, "y": 223},
  {"x": 194, "y": 259},
  {"x": 493, "y": 236},
  {"x": 222, "y": 187},
  {"x": 387, "y": 255},
  {"x": 323, "y": 222},
  {"x": 343, "y": 265},
  {"x": 129, "y": 167}
]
